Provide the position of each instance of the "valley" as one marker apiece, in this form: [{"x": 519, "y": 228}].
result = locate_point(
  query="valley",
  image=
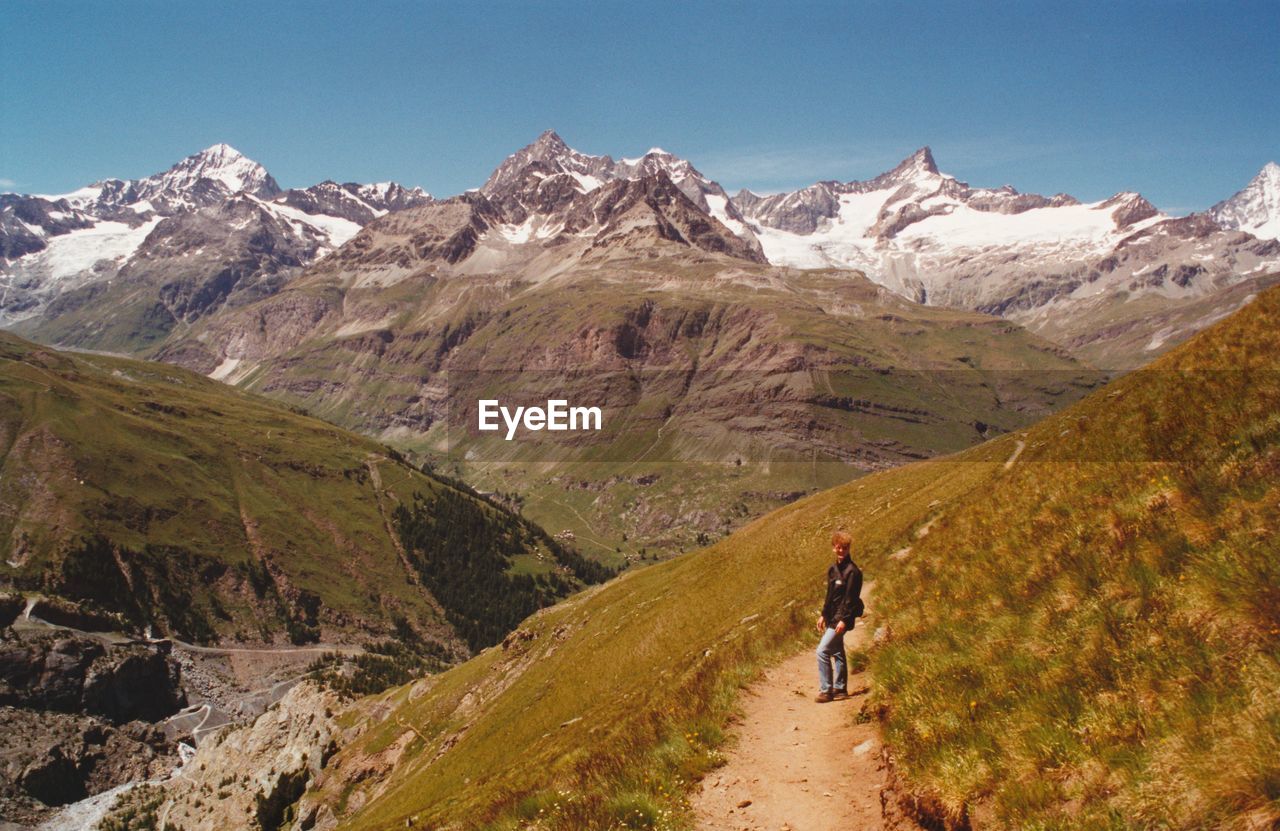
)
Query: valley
[
  {"x": 160, "y": 522},
  {"x": 1047, "y": 423},
  {"x": 1064, "y": 550},
  {"x": 838, "y": 311}
]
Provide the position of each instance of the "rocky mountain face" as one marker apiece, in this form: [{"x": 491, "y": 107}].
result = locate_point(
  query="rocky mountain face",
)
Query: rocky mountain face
[
  {"x": 360, "y": 204},
  {"x": 550, "y": 156},
  {"x": 255, "y": 773},
  {"x": 1068, "y": 270},
  {"x": 214, "y": 226},
  {"x": 27, "y": 221},
  {"x": 79, "y": 717},
  {"x": 1115, "y": 281},
  {"x": 188, "y": 266},
  {"x": 1256, "y": 208},
  {"x": 78, "y": 674}
]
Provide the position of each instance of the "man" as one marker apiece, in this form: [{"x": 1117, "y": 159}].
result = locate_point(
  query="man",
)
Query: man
[{"x": 841, "y": 608}]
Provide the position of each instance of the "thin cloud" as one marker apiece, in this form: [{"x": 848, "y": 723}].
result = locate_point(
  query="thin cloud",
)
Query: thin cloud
[
  {"x": 766, "y": 169},
  {"x": 7, "y": 183}
]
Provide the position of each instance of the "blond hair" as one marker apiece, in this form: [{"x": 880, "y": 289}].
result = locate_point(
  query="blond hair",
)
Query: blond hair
[{"x": 843, "y": 539}]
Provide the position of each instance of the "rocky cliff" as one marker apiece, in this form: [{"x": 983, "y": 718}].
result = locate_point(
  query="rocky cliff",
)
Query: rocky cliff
[{"x": 79, "y": 717}]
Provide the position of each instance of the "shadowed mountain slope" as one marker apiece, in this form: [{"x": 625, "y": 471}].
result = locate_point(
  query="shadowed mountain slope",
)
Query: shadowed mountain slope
[{"x": 170, "y": 501}]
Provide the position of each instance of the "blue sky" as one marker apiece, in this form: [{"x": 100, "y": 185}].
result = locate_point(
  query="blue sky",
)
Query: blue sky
[{"x": 1178, "y": 100}]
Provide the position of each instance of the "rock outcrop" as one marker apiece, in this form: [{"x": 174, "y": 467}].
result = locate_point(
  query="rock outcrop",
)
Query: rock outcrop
[
  {"x": 78, "y": 717},
  {"x": 255, "y": 774},
  {"x": 77, "y": 674}
]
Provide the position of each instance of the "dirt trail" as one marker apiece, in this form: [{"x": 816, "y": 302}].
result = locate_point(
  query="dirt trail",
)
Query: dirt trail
[
  {"x": 796, "y": 764},
  {"x": 1017, "y": 451}
]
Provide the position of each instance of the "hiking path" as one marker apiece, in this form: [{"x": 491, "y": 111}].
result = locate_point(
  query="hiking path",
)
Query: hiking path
[{"x": 794, "y": 764}]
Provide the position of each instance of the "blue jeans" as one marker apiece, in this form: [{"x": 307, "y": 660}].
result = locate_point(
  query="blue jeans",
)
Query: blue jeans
[{"x": 831, "y": 649}]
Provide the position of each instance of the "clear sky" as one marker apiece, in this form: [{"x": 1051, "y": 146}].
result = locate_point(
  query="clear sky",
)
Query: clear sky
[{"x": 1178, "y": 100}]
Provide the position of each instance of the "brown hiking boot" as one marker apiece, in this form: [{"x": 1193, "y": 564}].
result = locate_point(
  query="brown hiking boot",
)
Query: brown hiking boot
[
  {"x": 823, "y": 697},
  {"x": 837, "y": 695}
]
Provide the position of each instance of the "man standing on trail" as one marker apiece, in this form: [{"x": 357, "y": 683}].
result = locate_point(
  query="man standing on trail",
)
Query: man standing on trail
[{"x": 841, "y": 608}]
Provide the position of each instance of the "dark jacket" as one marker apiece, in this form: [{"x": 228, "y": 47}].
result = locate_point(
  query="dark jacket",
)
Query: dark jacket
[{"x": 844, "y": 586}]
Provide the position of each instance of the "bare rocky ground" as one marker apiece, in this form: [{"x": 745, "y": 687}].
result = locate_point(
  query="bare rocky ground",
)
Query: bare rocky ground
[
  {"x": 86, "y": 715},
  {"x": 254, "y": 773},
  {"x": 79, "y": 717}
]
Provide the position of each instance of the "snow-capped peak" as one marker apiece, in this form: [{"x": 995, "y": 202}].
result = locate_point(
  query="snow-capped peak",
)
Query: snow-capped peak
[
  {"x": 548, "y": 156},
  {"x": 201, "y": 179},
  {"x": 221, "y": 150},
  {"x": 219, "y": 163},
  {"x": 1256, "y": 208},
  {"x": 550, "y": 151}
]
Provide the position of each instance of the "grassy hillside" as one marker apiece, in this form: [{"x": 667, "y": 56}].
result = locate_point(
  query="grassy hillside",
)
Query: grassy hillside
[
  {"x": 171, "y": 500},
  {"x": 1083, "y": 623},
  {"x": 1094, "y": 643}
]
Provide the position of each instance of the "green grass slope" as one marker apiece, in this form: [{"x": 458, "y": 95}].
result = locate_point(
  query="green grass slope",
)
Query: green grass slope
[
  {"x": 1082, "y": 617},
  {"x": 170, "y": 500}
]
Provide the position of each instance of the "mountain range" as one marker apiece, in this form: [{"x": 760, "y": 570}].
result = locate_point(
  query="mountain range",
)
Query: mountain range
[
  {"x": 1075, "y": 608},
  {"x": 832, "y": 309},
  {"x": 150, "y": 255},
  {"x": 1115, "y": 281},
  {"x": 565, "y": 275},
  {"x": 1111, "y": 280}
]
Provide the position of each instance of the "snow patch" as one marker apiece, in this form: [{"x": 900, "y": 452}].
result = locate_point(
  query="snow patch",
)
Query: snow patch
[
  {"x": 224, "y": 369},
  {"x": 586, "y": 181},
  {"x": 81, "y": 196},
  {"x": 335, "y": 228},
  {"x": 518, "y": 233},
  {"x": 78, "y": 251},
  {"x": 845, "y": 240},
  {"x": 717, "y": 204},
  {"x": 1157, "y": 340}
]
